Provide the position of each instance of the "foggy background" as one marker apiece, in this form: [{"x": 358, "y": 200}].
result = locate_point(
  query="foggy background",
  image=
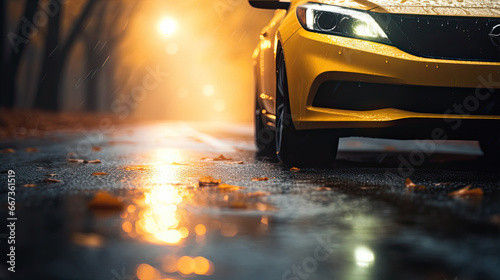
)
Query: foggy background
[{"x": 148, "y": 59}]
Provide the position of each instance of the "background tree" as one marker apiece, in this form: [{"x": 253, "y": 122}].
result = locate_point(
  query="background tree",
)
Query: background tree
[
  {"x": 16, "y": 42},
  {"x": 101, "y": 37},
  {"x": 57, "y": 51}
]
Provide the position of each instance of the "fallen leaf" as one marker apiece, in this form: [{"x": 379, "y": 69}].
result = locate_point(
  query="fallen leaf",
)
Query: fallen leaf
[
  {"x": 209, "y": 181},
  {"x": 234, "y": 162},
  {"x": 227, "y": 187},
  {"x": 221, "y": 158},
  {"x": 410, "y": 185},
  {"x": 104, "y": 200},
  {"x": 323, "y": 189},
  {"x": 99, "y": 173},
  {"x": 96, "y": 149},
  {"x": 51, "y": 175},
  {"x": 295, "y": 169},
  {"x": 75, "y": 160},
  {"x": 260, "y": 179},
  {"x": 258, "y": 193},
  {"x": 467, "y": 192},
  {"x": 92, "y": 161},
  {"x": 8, "y": 151},
  {"x": 29, "y": 185},
  {"x": 239, "y": 204},
  {"x": 139, "y": 167},
  {"x": 31, "y": 150},
  {"x": 49, "y": 180}
]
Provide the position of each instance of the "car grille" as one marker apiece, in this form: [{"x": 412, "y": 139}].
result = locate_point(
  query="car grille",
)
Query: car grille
[
  {"x": 360, "y": 96},
  {"x": 442, "y": 37}
]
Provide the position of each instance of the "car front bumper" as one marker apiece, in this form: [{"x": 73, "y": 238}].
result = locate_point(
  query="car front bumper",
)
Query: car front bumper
[{"x": 313, "y": 59}]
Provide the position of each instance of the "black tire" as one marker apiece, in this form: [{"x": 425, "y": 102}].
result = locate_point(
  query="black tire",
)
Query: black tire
[
  {"x": 302, "y": 148},
  {"x": 264, "y": 135}
]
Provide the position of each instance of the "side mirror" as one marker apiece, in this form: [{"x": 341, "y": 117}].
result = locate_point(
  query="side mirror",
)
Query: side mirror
[{"x": 269, "y": 4}]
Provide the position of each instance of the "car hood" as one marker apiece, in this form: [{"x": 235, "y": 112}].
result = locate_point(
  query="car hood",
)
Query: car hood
[{"x": 478, "y": 8}]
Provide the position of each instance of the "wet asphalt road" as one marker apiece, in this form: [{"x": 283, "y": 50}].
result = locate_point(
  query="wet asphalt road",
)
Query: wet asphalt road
[{"x": 355, "y": 221}]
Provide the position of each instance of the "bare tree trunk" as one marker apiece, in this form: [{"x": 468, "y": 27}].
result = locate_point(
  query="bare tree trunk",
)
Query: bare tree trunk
[
  {"x": 18, "y": 42},
  {"x": 56, "y": 55}
]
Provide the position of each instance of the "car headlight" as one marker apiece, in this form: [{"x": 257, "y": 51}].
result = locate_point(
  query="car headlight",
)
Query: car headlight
[{"x": 340, "y": 21}]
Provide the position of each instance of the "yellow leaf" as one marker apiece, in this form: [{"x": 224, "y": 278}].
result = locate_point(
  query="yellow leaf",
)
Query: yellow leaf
[
  {"x": 260, "y": 179},
  {"x": 233, "y": 162},
  {"x": 295, "y": 169},
  {"x": 221, "y": 158},
  {"x": 410, "y": 185},
  {"x": 99, "y": 173},
  {"x": 227, "y": 187},
  {"x": 467, "y": 192},
  {"x": 209, "y": 181},
  {"x": 139, "y": 167},
  {"x": 92, "y": 161}
]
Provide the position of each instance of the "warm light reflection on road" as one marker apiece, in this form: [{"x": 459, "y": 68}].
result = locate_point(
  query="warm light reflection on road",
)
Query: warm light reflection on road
[{"x": 161, "y": 213}]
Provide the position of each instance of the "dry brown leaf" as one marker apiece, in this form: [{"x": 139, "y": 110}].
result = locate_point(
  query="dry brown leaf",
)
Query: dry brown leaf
[
  {"x": 49, "y": 180},
  {"x": 96, "y": 149},
  {"x": 323, "y": 189},
  {"x": 209, "y": 181},
  {"x": 139, "y": 167},
  {"x": 99, "y": 173},
  {"x": 260, "y": 179},
  {"x": 29, "y": 185},
  {"x": 226, "y": 187},
  {"x": 410, "y": 185},
  {"x": 75, "y": 160},
  {"x": 92, "y": 161},
  {"x": 8, "y": 151},
  {"x": 295, "y": 169},
  {"x": 221, "y": 158},
  {"x": 104, "y": 200},
  {"x": 31, "y": 150},
  {"x": 234, "y": 162},
  {"x": 258, "y": 193},
  {"x": 467, "y": 192}
]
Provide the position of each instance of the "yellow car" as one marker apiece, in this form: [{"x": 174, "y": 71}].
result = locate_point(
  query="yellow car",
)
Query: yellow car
[{"x": 376, "y": 68}]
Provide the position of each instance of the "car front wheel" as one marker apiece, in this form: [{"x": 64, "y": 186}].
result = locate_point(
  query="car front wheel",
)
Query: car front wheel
[{"x": 299, "y": 147}]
